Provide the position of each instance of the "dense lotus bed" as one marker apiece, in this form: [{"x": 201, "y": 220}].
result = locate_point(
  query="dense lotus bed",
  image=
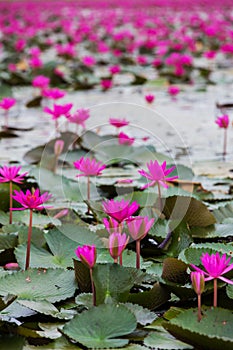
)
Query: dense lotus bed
[{"x": 116, "y": 205}]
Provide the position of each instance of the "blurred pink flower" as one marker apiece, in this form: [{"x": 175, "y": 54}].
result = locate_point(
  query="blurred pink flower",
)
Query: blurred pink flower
[
  {"x": 149, "y": 98},
  {"x": 120, "y": 210},
  {"x": 89, "y": 167},
  {"x": 215, "y": 266},
  {"x": 223, "y": 121},
  {"x": 210, "y": 54},
  {"x": 124, "y": 139},
  {"x": 173, "y": 90},
  {"x": 40, "y": 82},
  {"x": 88, "y": 61},
  {"x": 157, "y": 174},
  {"x": 117, "y": 243},
  {"x": 79, "y": 117},
  {"x": 114, "y": 69},
  {"x": 31, "y": 200},
  {"x": 87, "y": 254},
  {"x": 58, "y": 110},
  {"x": 106, "y": 84},
  {"x": 7, "y": 102},
  {"x": 139, "y": 226},
  {"x": 118, "y": 123},
  {"x": 35, "y": 62},
  {"x": 20, "y": 45},
  {"x": 53, "y": 93},
  {"x": 8, "y": 174}
]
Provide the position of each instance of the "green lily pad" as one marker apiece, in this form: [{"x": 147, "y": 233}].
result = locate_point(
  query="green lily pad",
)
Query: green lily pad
[
  {"x": 213, "y": 332},
  {"x": 93, "y": 330},
  {"x": 52, "y": 285},
  {"x": 164, "y": 341}
]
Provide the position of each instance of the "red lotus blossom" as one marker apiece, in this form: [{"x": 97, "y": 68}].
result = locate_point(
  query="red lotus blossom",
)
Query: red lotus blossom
[
  {"x": 118, "y": 123},
  {"x": 79, "y": 117},
  {"x": 58, "y": 110},
  {"x": 87, "y": 254},
  {"x": 7, "y": 103},
  {"x": 40, "y": 82},
  {"x": 139, "y": 226},
  {"x": 120, "y": 210},
  {"x": 89, "y": 167},
  {"x": 223, "y": 121},
  {"x": 8, "y": 174},
  {"x": 124, "y": 139},
  {"x": 157, "y": 174},
  {"x": 31, "y": 200},
  {"x": 149, "y": 98},
  {"x": 215, "y": 266},
  {"x": 117, "y": 243}
]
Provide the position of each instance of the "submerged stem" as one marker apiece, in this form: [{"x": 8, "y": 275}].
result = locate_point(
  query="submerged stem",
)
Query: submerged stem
[{"x": 29, "y": 241}]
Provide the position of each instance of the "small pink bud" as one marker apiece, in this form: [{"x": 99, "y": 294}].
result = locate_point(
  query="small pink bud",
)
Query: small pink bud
[
  {"x": 11, "y": 266},
  {"x": 58, "y": 147},
  {"x": 198, "y": 281}
]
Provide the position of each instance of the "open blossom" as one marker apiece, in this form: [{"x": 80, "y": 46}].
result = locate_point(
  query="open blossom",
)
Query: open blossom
[
  {"x": 124, "y": 139},
  {"x": 118, "y": 123},
  {"x": 215, "y": 266},
  {"x": 223, "y": 121},
  {"x": 87, "y": 254},
  {"x": 53, "y": 93},
  {"x": 40, "y": 82},
  {"x": 120, "y": 210},
  {"x": 7, "y": 102},
  {"x": 149, "y": 98},
  {"x": 89, "y": 167},
  {"x": 8, "y": 174},
  {"x": 139, "y": 226},
  {"x": 117, "y": 243},
  {"x": 157, "y": 174},
  {"x": 79, "y": 117},
  {"x": 31, "y": 200},
  {"x": 58, "y": 110}
]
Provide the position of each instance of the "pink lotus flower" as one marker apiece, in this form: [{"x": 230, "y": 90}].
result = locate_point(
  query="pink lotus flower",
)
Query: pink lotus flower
[
  {"x": 117, "y": 243},
  {"x": 106, "y": 84},
  {"x": 223, "y": 121},
  {"x": 111, "y": 225},
  {"x": 149, "y": 98},
  {"x": 53, "y": 93},
  {"x": 87, "y": 254},
  {"x": 8, "y": 174},
  {"x": 157, "y": 174},
  {"x": 35, "y": 62},
  {"x": 67, "y": 50},
  {"x": 114, "y": 69},
  {"x": 120, "y": 210},
  {"x": 40, "y": 82},
  {"x": 139, "y": 226},
  {"x": 118, "y": 123},
  {"x": 20, "y": 45},
  {"x": 31, "y": 200},
  {"x": 89, "y": 167},
  {"x": 58, "y": 110},
  {"x": 173, "y": 90},
  {"x": 79, "y": 117},
  {"x": 215, "y": 266},
  {"x": 124, "y": 139},
  {"x": 210, "y": 54},
  {"x": 198, "y": 281},
  {"x": 7, "y": 103}
]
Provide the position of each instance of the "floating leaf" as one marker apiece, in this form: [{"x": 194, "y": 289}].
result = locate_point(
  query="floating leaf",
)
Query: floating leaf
[
  {"x": 213, "y": 332},
  {"x": 164, "y": 341},
  {"x": 51, "y": 285},
  {"x": 175, "y": 271},
  {"x": 143, "y": 315},
  {"x": 93, "y": 330}
]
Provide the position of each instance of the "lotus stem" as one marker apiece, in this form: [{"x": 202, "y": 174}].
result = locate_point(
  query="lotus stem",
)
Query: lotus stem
[
  {"x": 93, "y": 288},
  {"x": 6, "y": 124},
  {"x": 29, "y": 241},
  {"x": 11, "y": 202},
  {"x": 160, "y": 199},
  {"x": 138, "y": 254},
  {"x": 199, "y": 316},
  {"x": 225, "y": 143},
  {"x": 215, "y": 292}
]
